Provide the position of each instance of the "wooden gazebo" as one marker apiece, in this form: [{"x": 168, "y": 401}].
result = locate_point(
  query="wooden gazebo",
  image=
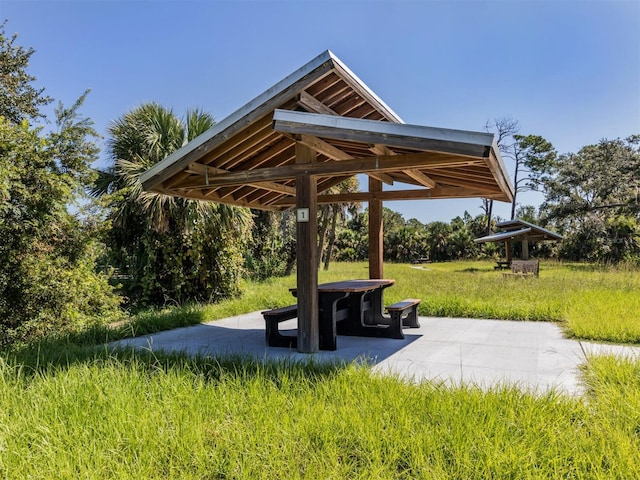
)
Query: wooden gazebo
[
  {"x": 517, "y": 230},
  {"x": 315, "y": 128}
]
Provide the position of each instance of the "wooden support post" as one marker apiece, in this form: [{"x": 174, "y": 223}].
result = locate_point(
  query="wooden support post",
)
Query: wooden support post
[
  {"x": 375, "y": 231},
  {"x": 525, "y": 249},
  {"x": 507, "y": 248},
  {"x": 307, "y": 254}
]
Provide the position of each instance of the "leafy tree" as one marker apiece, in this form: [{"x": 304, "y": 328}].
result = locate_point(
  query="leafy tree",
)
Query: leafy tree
[
  {"x": 47, "y": 254},
  {"x": 438, "y": 241},
  {"x": 272, "y": 249},
  {"x": 591, "y": 196},
  {"x": 352, "y": 243},
  {"x": 331, "y": 217},
  {"x": 48, "y": 280},
  {"x": 19, "y": 99},
  {"x": 533, "y": 159},
  {"x": 171, "y": 249}
]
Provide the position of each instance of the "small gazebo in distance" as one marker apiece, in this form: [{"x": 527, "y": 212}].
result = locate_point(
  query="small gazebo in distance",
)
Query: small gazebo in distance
[{"x": 519, "y": 230}]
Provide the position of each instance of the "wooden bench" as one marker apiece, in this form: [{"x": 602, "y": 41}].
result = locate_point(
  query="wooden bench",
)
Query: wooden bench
[
  {"x": 502, "y": 265},
  {"x": 523, "y": 268},
  {"x": 403, "y": 313},
  {"x": 272, "y": 318}
]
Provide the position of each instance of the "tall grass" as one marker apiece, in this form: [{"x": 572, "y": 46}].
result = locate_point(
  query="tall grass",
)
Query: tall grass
[
  {"x": 591, "y": 302},
  {"x": 70, "y": 410},
  {"x": 135, "y": 416}
]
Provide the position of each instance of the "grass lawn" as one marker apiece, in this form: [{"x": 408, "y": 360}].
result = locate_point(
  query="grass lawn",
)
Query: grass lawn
[
  {"x": 68, "y": 411},
  {"x": 590, "y": 302},
  {"x": 149, "y": 417}
]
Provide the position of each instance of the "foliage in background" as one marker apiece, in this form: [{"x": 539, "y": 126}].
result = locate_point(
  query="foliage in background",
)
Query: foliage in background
[
  {"x": 166, "y": 249},
  {"x": 48, "y": 280},
  {"x": 592, "y": 197},
  {"x": 271, "y": 251},
  {"x": 19, "y": 99}
]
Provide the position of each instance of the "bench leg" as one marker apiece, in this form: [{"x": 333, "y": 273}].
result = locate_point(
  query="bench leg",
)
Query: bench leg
[
  {"x": 275, "y": 339},
  {"x": 395, "y": 329},
  {"x": 411, "y": 320}
]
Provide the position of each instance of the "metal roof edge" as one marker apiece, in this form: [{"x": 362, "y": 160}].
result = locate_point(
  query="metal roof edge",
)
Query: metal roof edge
[
  {"x": 153, "y": 173},
  {"x": 501, "y": 164},
  {"x": 363, "y": 86},
  {"x": 516, "y": 221},
  {"x": 502, "y": 235},
  {"x": 386, "y": 128}
]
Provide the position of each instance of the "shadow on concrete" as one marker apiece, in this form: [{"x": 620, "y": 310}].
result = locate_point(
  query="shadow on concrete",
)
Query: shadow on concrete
[{"x": 223, "y": 340}]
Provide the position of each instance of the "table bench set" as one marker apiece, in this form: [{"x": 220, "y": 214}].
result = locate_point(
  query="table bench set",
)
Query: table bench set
[
  {"x": 350, "y": 307},
  {"x": 523, "y": 269}
]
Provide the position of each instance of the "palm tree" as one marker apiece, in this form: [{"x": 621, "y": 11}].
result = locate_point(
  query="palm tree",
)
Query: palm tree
[{"x": 172, "y": 248}]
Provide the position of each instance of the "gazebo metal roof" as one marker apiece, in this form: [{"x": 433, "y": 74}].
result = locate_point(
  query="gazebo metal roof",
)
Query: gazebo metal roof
[
  {"x": 315, "y": 128},
  {"x": 518, "y": 229},
  {"x": 248, "y": 159}
]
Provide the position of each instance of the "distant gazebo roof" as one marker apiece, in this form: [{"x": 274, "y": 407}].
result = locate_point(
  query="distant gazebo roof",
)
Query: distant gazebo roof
[{"x": 518, "y": 230}]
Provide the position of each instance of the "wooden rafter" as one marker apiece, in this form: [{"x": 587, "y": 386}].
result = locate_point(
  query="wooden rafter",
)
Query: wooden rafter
[
  {"x": 342, "y": 168},
  {"x": 391, "y": 195},
  {"x": 418, "y": 176}
]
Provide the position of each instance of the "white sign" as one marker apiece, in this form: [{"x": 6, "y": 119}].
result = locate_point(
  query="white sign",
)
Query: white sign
[{"x": 302, "y": 214}]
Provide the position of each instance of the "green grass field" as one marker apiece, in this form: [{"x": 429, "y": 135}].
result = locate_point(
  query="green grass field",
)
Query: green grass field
[
  {"x": 148, "y": 417},
  {"x": 594, "y": 303},
  {"x": 71, "y": 410}
]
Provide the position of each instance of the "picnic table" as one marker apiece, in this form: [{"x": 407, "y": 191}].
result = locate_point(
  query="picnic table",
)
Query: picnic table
[{"x": 350, "y": 307}]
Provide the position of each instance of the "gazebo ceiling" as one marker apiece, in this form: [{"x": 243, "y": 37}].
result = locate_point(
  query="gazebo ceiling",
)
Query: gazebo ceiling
[{"x": 249, "y": 159}]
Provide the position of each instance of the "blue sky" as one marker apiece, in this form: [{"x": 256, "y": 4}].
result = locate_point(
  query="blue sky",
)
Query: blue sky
[{"x": 566, "y": 70}]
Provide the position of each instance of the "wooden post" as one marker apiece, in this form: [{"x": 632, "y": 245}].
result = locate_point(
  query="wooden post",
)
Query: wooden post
[
  {"x": 525, "y": 249},
  {"x": 507, "y": 248},
  {"x": 375, "y": 231},
  {"x": 307, "y": 254}
]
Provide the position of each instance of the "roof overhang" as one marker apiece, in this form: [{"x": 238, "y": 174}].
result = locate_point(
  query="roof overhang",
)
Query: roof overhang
[
  {"x": 500, "y": 237},
  {"x": 519, "y": 229},
  {"x": 248, "y": 159}
]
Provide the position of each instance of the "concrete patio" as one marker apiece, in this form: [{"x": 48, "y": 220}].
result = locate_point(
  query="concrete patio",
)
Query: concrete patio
[{"x": 533, "y": 355}]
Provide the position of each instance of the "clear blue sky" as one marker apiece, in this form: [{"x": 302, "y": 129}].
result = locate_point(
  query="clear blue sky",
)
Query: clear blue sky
[{"x": 567, "y": 70}]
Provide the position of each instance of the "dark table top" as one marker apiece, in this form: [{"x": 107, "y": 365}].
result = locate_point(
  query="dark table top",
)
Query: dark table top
[{"x": 353, "y": 286}]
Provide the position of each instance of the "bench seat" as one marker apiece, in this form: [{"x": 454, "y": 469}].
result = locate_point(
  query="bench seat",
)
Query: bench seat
[
  {"x": 272, "y": 318},
  {"x": 403, "y": 313}
]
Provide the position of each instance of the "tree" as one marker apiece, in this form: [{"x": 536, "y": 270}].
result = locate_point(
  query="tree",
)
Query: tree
[
  {"x": 533, "y": 159},
  {"x": 591, "y": 196},
  {"x": 19, "y": 99},
  {"x": 333, "y": 215},
  {"x": 505, "y": 128},
  {"x": 48, "y": 280},
  {"x": 172, "y": 249}
]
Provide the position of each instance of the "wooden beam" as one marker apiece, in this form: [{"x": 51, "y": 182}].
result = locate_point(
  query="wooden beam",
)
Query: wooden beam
[
  {"x": 473, "y": 144},
  {"x": 375, "y": 230},
  {"x": 392, "y": 195},
  {"x": 196, "y": 195},
  {"x": 307, "y": 255},
  {"x": 335, "y": 153},
  {"x": 368, "y": 165},
  {"x": 418, "y": 176},
  {"x": 324, "y": 148},
  {"x": 209, "y": 172},
  {"x": 312, "y": 104},
  {"x": 421, "y": 178}
]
